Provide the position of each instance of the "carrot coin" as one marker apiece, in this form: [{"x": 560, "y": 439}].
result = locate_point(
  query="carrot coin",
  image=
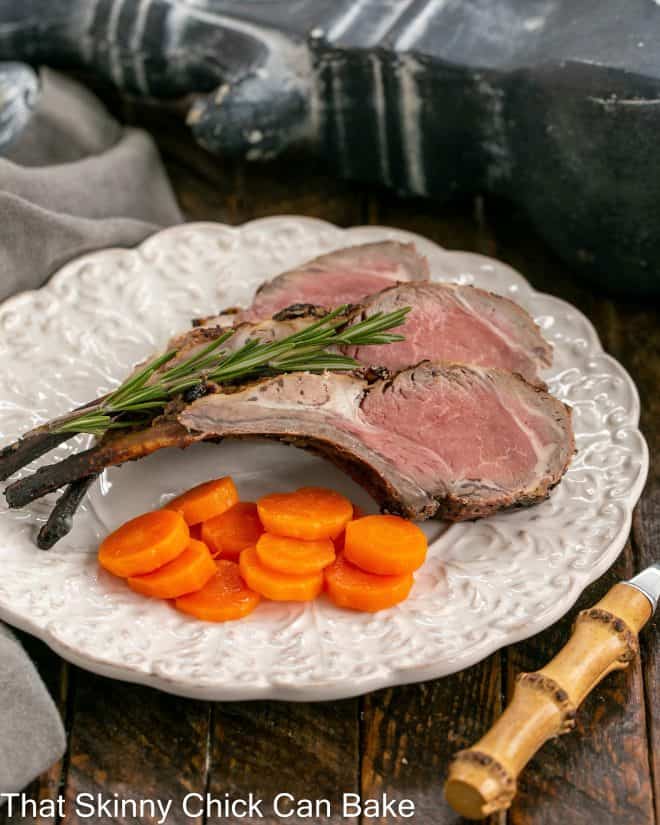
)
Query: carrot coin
[
  {"x": 144, "y": 543},
  {"x": 232, "y": 531},
  {"x": 294, "y": 555},
  {"x": 348, "y": 586},
  {"x": 196, "y": 531},
  {"x": 280, "y": 587},
  {"x": 358, "y": 512},
  {"x": 223, "y": 598},
  {"x": 188, "y": 573},
  {"x": 206, "y": 500},
  {"x": 310, "y": 513},
  {"x": 386, "y": 545}
]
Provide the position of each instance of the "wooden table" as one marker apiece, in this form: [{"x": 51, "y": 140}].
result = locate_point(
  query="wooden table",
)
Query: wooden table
[{"x": 140, "y": 743}]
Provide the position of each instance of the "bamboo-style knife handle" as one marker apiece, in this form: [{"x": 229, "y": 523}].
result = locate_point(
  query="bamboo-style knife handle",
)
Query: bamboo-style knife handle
[{"x": 482, "y": 779}]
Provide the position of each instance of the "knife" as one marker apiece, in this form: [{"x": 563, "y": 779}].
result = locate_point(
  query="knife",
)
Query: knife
[{"x": 482, "y": 779}]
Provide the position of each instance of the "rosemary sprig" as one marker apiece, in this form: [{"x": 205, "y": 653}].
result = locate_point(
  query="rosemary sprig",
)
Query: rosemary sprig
[{"x": 147, "y": 391}]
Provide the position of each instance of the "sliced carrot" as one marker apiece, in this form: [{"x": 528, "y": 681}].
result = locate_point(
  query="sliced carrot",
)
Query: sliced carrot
[
  {"x": 206, "y": 500},
  {"x": 223, "y": 598},
  {"x": 386, "y": 545},
  {"x": 294, "y": 555},
  {"x": 348, "y": 586},
  {"x": 144, "y": 543},
  {"x": 310, "y": 513},
  {"x": 188, "y": 573},
  {"x": 196, "y": 531},
  {"x": 232, "y": 531},
  {"x": 280, "y": 587},
  {"x": 358, "y": 512}
]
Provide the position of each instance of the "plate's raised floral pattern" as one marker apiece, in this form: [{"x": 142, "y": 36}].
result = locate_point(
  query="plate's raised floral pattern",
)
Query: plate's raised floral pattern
[{"x": 485, "y": 584}]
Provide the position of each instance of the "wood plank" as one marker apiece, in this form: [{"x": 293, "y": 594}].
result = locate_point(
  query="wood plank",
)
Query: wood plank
[
  {"x": 236, "y": 193},
  {"x": 268, "y": 748},
  {"x": 460, "y": 224},
  {"x": 646, "y": 533},
  {"x": 410, "y": 733},
  {"x": 600, "y": 771},
  {"x": 138, "y": 743},
  {"x": 636, "y": 341}
]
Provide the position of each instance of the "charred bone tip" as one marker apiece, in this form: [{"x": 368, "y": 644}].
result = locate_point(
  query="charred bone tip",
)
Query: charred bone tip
[
  {"x": 31, "y": 446},
  {"x": 60, "y": 521}
]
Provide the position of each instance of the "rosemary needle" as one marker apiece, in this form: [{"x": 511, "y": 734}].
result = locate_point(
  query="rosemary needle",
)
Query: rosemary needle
[{"x": 148, "y": 390}]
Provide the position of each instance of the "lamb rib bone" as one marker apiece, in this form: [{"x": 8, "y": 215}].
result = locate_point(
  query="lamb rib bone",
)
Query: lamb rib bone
[
  {"x": 449, "y": 441},
  {"x": 447, "y": 323}
]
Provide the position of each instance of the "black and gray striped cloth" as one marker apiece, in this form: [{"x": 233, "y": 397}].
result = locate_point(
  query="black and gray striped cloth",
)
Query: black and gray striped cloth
[{"x": 74, "y": 181}]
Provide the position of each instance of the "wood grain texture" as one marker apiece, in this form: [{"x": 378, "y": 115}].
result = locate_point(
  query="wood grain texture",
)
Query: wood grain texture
[
  {"x": 461, "y": 224},
  {"x": 635, "y": 339},
  {"x": 601, "y": 771},
  {"x": 409, "y": 734},
  {"x": 210, "y": 188},
  {"x": 135, "y": 742},
  {"x": 544, "y": 702},
  {"x": 646, "y": 534},
  {"x": 309, "y": 751}
]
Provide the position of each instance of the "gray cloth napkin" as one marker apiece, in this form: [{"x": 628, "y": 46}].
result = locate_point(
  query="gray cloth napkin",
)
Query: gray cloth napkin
[
  {"x": 75, "y": 181},
  {"x": 31, "y": 731}
]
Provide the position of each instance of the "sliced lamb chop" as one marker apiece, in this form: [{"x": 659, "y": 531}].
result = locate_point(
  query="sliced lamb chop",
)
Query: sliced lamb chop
[
  {"x": 339, "y": 277},
  {"x": 460, "y": 324},
  {"x": 41, "y": 440},
  {"x": 267, "y": 331},
  {"x": 345, "y": 276},
  {"x": 450, "y": 441},
  {"x": 447, "y": 322},
  {"x": 455, "y": 442}
]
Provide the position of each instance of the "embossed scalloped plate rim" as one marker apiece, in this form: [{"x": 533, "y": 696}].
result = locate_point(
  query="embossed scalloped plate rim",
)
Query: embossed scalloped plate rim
[{"x": 334, "y": 688}]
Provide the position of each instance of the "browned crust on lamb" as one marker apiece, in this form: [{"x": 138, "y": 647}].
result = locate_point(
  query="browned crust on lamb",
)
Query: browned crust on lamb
[
  {"x": 360, "y": 471},
  {"x": 448, "y": 505},
  {"x": 407, "y": 249},
  {"x": 168, "y": 431},
  {"x": 455, "y": 508},
  {"x": 539, "y": 350},
  {"x": 462, "y": 508}
]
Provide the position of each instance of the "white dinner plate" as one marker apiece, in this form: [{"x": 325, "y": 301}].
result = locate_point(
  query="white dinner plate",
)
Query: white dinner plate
[{"x": 485, "y": 584}]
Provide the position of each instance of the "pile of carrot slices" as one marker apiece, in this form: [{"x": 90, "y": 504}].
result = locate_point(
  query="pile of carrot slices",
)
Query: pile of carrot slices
[{"x": 215, "y": 556}]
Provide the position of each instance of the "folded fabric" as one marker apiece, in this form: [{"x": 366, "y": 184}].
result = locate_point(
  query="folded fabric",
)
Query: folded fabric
[
  {"x": 31, "y": 731},
  {"x": 75, "y": 181}
]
